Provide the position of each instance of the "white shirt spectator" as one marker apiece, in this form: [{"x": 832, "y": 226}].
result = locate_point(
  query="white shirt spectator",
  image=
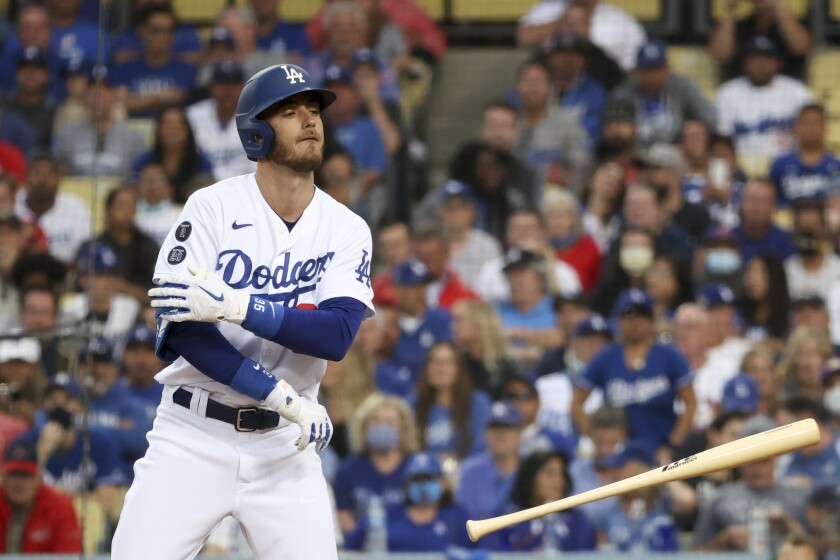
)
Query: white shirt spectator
[
  {"x": 121, "y": 317},
  {"x": 219, "y": 141},
  {"x": 803, "y": 283},
  {"x": 612, "y": 29},
  {"x": 157, "y": 220},
  {"x": 723, "y": 362},
  {"x": 67, "y": 224},
  {"x": 493, "y": 287},
  {"x": 760, "y": 118},
  {"x": 479, "y": 248}
]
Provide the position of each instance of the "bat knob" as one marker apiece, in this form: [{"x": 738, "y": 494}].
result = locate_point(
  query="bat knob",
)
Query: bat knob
[{"x": 472, "y": 530}]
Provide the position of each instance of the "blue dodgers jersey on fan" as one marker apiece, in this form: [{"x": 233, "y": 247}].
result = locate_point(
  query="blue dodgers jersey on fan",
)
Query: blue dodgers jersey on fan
[
  {"x": 647, "y": 395},
  {"x": 287, "y": 37},
  {"x": 140, "y": 78},
  {"x": 570, "y": 531},
  {"x": 124, "y": 417},
  {"x": 796, "y": 181},
  {"x": 362, "y": 140},
  {"x": 822, "y": 468},
  {"x": 440, "y": 431},
  {"x": 394, "y": 379},
  {"x": 64, "y": 469},
  {"x": 357, "y": 480},
  {"x": 482, "y": 490},
  {"x": 446, "y": 530},
  {"x": 411, "y": 348},
  {"x": 655, "y": 532}
]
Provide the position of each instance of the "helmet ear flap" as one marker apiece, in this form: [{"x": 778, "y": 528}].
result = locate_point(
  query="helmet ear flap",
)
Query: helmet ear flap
[{"x": 257, "y": 137}]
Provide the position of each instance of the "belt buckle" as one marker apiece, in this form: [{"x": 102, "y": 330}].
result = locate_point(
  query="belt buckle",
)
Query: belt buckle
[{"x": 239, "y": 411}]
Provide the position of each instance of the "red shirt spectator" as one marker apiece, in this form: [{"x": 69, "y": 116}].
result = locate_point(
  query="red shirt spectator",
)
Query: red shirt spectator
[
  {"x": 420, "y": 31},
  {"x": 12, "y": 161},
  {"x": 585, "y": 258},
  {"x": 51, "y": 524}
]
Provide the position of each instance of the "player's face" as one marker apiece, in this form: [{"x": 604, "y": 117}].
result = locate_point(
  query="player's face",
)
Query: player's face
[{"x": 299, "y": 134}]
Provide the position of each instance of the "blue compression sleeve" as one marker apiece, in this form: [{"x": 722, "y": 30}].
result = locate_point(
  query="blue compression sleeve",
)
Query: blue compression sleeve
[
  {"x": 326, "y": 332},
  {"x": 203, "y": 346}
]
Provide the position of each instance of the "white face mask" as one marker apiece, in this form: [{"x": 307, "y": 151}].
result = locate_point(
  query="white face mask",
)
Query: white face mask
[
  {"x": 831, "y": 400},
  {"x": 635, "y": 260}
]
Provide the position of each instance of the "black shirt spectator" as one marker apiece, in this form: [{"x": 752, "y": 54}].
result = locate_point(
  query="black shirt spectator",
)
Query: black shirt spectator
[{"x": 31, "y": 98}]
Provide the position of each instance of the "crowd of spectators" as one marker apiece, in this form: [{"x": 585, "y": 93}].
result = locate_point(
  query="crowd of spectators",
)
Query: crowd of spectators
[{"x": 618, "y": 272}]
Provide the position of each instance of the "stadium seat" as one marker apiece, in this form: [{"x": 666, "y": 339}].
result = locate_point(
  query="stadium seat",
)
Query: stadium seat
[
  {"x": 833, "y": 139},
  {"x": 833, "y": 10},
  {"x": 83, "y": 187},
  {"x": 490, "y": 10},
  {"x": 696, "y": 64},
  {"x": 94, "y": 524},
  {"x": 435, "y": 8},
  {"x": 799, "y": 8},
  {"x": 146, "y": 127},
  {"x": 642, "y": 10},
  {"x": 823, "y": 74},
  {"x": 198, "y": 11}
]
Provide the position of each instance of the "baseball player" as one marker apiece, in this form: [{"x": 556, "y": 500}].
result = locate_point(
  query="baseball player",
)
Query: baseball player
[{"x": 262, "y": 280}]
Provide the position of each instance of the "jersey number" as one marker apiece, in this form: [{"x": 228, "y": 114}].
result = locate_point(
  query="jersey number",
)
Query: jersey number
[
  {"x": 293, "y": 75},
  {"x": 363, "y": 271}
]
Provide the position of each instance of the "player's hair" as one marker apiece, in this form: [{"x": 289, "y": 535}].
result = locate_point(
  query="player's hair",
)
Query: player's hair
[
  {"x": 462, "y": 393},
  {"x": 522, "y": 491},
  {"x": 341, "y": 6},
  {"x": 563, "y": 196},
  {"x": 801, "y": 335},
  {"x": 491, "y": 336},
  {"x": 608, "y": 417},
  {"x": 408, "y": 428}
]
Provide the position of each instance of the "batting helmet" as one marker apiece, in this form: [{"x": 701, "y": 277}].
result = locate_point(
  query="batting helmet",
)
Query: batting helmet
[{"x": 263, "y": 90}]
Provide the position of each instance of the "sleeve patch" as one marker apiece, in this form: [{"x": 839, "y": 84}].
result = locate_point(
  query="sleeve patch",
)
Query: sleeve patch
[
  {"x": 183, "y": 232},
  {"x": 176, "y": 255}
]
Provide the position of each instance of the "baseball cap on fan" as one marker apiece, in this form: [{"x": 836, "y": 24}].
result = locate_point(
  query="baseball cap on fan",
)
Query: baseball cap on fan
[
  {"x": 504, "y": 414},
  {"x": 634, "y": 302},
  {"x": 411, "y": 273},
  {"x": 365, "y": 56},
  {"x": 228, "y": 72},
  {"x": 221, "y": 36},
  {"x": 20, "y": 457},
  {"x": 97, "y": 257},
  {"x": 715, "y": 295},
  {"x": 423, "y": 464},
  {"x": 20, "y": 349},
  {"x": 741, "y": 394},
  {"x": 761, "y": 45},
  {"x": 336, "y": 74},
  {"x": 652, "y": 54},
  {"x": 33, "y": 56}
]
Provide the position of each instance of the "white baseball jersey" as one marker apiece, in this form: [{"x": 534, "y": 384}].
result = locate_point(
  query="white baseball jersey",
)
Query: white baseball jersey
[
  {"x": 219, "y": 141},
  {"x": 230, "y": 229},
  {"x": 760, "y": 118}
]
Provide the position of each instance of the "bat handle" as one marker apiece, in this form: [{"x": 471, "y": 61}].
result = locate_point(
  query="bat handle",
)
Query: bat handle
[{"x": 474, "y": 530}]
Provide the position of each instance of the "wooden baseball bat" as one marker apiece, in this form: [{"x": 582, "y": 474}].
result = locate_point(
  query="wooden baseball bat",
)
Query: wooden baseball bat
[{"x": 750, "y": 449}]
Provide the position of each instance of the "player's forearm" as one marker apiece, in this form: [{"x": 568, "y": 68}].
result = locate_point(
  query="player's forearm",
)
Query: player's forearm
[{"x": 325, "y": 333}]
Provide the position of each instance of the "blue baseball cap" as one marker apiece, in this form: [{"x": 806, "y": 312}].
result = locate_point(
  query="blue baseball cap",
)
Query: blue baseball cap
[
  {"x": 228, "y": 72},
  {"x": 336, "y": 73},
  {"x": 223, "y": 36},
  {"x": 101, "y": 256},
  {"x": 76, "y": 66},
  {"x": 715, "y": 295},
  {"x": 568, "y": 41},
  {"x": 20, "y": 457},
  {"x": 423, "y": 464},
  {"x": 100, "y": 349},
  {"x": 548, "y": 441},
  {"x": 453, "y": 188},
  {"x": 411, "y": 273},
  {"x": 652, "y": 54},
  {"x": 63, "y": 380},
  {"x": 741, "y": 394},
  {"x": 761, "y": 45},
  {"x": 33, "y": 56},
  {"x": 594, "y": 324},
  {"x": 140, "y": 334},
  {"x": 634, "y": 302},
  {"x": 631, "y": 451},
  {"x": 503, "y": 413},
  {"x": 365, "y": 56}
]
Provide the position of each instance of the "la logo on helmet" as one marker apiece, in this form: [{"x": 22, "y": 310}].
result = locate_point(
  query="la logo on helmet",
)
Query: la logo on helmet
[{"x": 293, "y": 75}]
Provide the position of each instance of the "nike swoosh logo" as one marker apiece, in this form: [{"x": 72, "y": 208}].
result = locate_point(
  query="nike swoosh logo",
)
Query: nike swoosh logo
[
  {"x": 220, "y": 297},
  {"x": 240, "y": 226}
]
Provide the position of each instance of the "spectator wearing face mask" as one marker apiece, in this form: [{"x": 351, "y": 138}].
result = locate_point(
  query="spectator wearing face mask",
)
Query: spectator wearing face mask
[
  {"x": 383, "y": 435},
  {"x": 718, "y": 259},
  {"x": 815, "y": 268}
]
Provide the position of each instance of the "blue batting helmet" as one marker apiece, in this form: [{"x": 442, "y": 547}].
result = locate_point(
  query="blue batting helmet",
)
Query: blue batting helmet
[{"x": 263, "y": 90}]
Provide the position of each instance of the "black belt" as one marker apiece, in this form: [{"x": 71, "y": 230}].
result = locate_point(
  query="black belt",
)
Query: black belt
[{"x": 243, "y": 418}]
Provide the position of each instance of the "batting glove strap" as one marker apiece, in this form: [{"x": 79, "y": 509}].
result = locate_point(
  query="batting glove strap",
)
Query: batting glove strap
[
  {"x": 312, "y": 418},
  {"x": 203, "y": 296}
]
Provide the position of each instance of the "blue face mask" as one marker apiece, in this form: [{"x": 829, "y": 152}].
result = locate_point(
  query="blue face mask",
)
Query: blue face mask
[
  {"x": 425, "y": 492},
  {"x": 382, "y": 437},
  {"x": 722, "y": 261}
]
